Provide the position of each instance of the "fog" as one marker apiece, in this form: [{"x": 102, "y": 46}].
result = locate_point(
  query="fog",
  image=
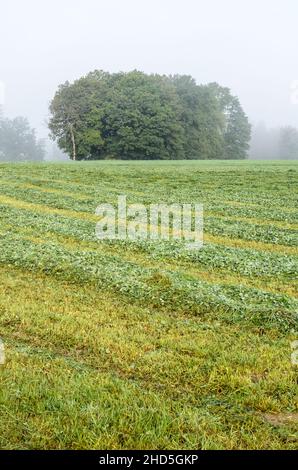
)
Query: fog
[{"x": 251, "y": 47}]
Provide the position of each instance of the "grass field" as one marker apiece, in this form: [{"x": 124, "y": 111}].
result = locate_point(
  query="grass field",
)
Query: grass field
[{"x": 125, "y": 345}]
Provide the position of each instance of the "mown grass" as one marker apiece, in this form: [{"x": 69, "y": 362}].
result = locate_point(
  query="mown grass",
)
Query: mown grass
[{"x": 139, "y": 345}]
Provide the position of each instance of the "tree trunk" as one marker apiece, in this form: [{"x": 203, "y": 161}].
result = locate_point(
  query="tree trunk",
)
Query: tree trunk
[{"x": 74, "y": 150}]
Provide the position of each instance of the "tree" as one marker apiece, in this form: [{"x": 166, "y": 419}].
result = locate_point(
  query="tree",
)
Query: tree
[
  {"x": 122, "y": 115},
  {"x": 288, "y": 144},
  {"x": 76, "y": 120},
  {"x": 236, "y": 130},
  {"x": 201, "y": 118},
  {"x": 142, "y": 118},
  {"x": 138, "y": 116},
  {"x": 18, "y": 141}
]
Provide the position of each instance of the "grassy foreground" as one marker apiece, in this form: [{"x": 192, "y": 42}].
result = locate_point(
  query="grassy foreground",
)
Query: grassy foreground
[{"x": 123, "y": 345}]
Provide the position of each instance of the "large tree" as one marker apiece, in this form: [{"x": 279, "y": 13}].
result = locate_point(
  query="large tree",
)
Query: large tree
[
  {"x": 138, "y": 116},
  {"x": 122, "y": 115}
]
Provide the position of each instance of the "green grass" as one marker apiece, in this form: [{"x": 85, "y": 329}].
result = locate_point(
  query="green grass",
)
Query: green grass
[{"x": 125, "y": 345}]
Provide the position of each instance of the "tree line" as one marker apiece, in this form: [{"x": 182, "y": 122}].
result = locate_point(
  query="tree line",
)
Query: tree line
[
  {"x": 138, "y": 116},
  {"x": 274, "y": 143}
]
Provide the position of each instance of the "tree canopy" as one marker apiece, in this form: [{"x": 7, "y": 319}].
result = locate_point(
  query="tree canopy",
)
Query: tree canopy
[{"x": 138, "y": 116}]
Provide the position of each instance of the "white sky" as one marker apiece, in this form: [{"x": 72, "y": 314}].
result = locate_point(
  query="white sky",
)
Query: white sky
[{"x": 247, "y": 45}]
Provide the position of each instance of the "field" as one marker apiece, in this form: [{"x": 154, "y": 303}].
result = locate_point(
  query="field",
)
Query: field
[{"x": 125, "y": 345}]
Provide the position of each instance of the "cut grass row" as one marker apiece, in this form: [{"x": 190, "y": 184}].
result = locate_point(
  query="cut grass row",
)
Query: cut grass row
[
  {"x": 139, "y": 255},
  {"x": 154, "y": 287},
  {"x": 228, "y": 231},
  {"x": 86, "y": 198}
]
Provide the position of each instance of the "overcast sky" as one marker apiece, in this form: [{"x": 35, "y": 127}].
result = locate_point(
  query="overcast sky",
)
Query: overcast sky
[{"x": 248, "y": 45}]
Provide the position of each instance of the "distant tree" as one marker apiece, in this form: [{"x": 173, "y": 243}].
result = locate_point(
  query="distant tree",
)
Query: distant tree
[
  {"x": 18, "y": 141},
  {"x": 288, "y": 145},
  {"x": 236, "y": 129},
  {"x": 264, "y": 142}
]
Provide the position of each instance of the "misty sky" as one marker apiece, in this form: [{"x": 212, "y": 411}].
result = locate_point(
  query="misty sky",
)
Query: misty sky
[{"x": 247, "y": 45}]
